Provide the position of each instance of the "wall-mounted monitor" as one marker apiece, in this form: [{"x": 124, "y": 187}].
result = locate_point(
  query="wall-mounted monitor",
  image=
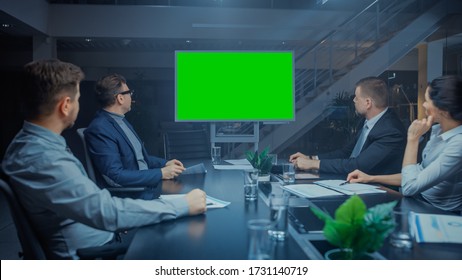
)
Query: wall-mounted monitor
[{"x": 224, "y": 86}]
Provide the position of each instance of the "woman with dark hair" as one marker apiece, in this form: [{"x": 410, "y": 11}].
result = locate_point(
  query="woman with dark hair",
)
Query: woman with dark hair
[{"x": 438, "y": 178}]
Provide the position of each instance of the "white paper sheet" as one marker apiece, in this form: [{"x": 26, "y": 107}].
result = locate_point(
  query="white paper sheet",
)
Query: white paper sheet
[
  {"x": 349, "y": 188},
  {"x": 309, "y": 190},
  {"x": 238, "y": 161},
  {"x": 211, "y": 201},
  {"x": 301, "y": 176},
  {"x": 195, "y": 169},
  {"x": 233, "y": 167}
]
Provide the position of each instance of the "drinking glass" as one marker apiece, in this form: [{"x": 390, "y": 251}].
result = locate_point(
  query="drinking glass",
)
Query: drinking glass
[
  {"x": 250, "y": 184},
  {"x": 401, "y": 236},
  {"x": 260, "y": 246},
  {"x": 279, "y": 204},
  {"x": 216, "y": 155},
  {"x": 288, "y": 173}
]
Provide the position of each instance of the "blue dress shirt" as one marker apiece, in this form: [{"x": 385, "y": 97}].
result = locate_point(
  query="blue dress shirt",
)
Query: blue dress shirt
[{"x": 66, "y": 208}]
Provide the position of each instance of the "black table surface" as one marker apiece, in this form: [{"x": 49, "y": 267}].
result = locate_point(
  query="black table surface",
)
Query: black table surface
[
  {"x": 222, "y": 233},
  {"x": 218, "y": 234}
]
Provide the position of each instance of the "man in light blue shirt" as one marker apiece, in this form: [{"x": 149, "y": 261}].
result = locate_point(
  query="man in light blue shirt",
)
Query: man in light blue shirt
[{"x": 66, "y": 208}]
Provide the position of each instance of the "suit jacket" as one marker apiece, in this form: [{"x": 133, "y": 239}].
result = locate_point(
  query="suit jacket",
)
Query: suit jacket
[
  {"x": 382, "y": 153},
  {"x": 114, "y": 157}
]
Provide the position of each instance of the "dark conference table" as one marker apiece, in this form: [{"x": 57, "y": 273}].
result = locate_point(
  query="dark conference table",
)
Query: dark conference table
[{"x": 221, "y": 234}]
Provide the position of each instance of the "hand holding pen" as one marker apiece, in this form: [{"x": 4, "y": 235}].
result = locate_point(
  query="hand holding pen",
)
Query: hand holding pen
[{"x": 358, "y": 176}]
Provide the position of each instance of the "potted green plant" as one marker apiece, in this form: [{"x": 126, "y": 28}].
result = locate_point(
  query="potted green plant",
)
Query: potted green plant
[
  {"x": 356, "y": 230},
  {"x": 262, "y": 162}
]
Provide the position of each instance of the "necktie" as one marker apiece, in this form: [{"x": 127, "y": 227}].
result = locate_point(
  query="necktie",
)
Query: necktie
[{"x": 360, "y": 142}]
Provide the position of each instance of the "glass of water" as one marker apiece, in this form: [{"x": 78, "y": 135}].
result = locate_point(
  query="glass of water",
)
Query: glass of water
[
  {"x": 288, "y": 173},
  {"x": 401, "y": 236},
  {"x": 260, "y": 245},
  {"x": 279, "y": 204},
  {"x": 250, "y": 184},
  {"x": 216, "y": 155}
]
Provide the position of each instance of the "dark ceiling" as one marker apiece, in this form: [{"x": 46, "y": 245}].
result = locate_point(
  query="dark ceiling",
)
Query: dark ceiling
[
  {"x": 18, "y": 35},
  {"x": 349, "y": 5}
]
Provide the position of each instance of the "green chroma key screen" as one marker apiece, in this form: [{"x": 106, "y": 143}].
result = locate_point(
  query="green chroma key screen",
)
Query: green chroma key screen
[{"x": 234, "y": 86}]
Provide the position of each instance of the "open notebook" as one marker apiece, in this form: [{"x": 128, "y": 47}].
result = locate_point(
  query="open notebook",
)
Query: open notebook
[{"x": 330, "y": 188}]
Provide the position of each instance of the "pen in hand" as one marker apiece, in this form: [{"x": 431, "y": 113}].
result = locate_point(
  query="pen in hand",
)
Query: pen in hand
[{"x": 344, "y": 183}]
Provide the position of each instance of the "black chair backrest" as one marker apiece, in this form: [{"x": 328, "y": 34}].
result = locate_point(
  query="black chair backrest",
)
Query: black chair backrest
[
  {"x": 30, "y": 244},
  {"x": 88, "y": 163},
  {"x": 186, "y": 144},
  {"x": 96, "y": 176}
]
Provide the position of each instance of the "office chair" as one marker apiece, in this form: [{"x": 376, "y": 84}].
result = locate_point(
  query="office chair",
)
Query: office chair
[
  {"x": 31, "y": 247},
  {"x": 92, "y": 173},
  {"x": 88, "y": 163},
  {"x": 30, "y": 244},
  {"x": 186, "y": 144}
]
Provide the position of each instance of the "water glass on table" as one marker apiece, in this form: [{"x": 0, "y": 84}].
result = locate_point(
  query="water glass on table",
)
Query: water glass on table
[
  {"x": 288, "y": 173},
  {"x": 250, "y": 184},
  {"x": 279, "y": 204},
  {"x": 401, "y": 236},
  {"x": 216, "y": 155},
  {"x": 260, "y": 246}
]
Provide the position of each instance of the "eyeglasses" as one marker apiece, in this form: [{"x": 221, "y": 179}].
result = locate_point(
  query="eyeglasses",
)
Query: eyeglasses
[{"x": 130, "y": 91}]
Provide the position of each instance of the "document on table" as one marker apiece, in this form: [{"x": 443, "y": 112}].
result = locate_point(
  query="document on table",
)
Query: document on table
[
  {"x": 234, "y": 164},
  {"x": 330, "y": 187},
  {"x": 233, "y": 167},
  {"x": 309, "y": 190},
  {"x": 349, "y": 188},
  {"x": 301, "y": 176},
  {"x": 195, "y": 169},
  {"x": 238, "y": 161},
  {"x": 436, "y": 228},
  {"x": 211, "y": 201}
]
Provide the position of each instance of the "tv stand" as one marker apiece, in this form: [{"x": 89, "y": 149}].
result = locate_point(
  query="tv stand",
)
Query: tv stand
[{"x": 230, "y": 136}]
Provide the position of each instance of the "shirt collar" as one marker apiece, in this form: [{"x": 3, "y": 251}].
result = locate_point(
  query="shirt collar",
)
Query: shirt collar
[
  {"x": 448, "y": 134},
  {"x": 112, "y": 114},
  {"x": 370, "y": 123},
  {"x": 45, "y": 133}
]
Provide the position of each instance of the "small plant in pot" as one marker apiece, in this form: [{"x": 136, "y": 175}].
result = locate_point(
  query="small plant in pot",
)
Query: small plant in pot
[
  {"x": 262, "y": 162},
  {"x": 356, "y": 230}
]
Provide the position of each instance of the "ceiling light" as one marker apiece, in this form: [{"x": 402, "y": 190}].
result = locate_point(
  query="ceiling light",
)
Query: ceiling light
[{"x": 6, "y": 25}]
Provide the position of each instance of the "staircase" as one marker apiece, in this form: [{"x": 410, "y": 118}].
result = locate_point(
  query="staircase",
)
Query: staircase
[{"x": 365, "y": 45}]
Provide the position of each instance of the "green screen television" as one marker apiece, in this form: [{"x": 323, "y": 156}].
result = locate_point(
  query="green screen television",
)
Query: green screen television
[{"x": 226, "y": 86}]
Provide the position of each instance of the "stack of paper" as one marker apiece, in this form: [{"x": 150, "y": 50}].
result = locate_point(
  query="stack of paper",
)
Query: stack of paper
[
  {"x": 305, "y": 176},
  {"x": 349, "y": 188},
  {"x": 211, "y": 201},
  {"x": 195, "y": 169},
  {"x": 234, "y": 164},
  {"x": 309, "y": 190},
  {"x": 329, "y": 188},
  {"x": 436, "y": 228}
]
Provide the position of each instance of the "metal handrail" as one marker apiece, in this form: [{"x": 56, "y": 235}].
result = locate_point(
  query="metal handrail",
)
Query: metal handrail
[{"x": 322, "y": 51}]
